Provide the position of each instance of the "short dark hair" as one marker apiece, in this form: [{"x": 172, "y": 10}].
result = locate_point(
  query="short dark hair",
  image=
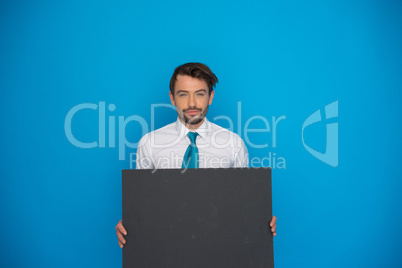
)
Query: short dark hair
[{"x": 196, "y": 70}]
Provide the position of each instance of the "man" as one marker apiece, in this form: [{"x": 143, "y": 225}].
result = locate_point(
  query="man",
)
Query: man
[{"x": 192, "y": 141}]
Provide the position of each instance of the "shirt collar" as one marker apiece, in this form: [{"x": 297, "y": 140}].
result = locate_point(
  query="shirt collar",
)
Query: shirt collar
[{"x": 202, "y": 131}]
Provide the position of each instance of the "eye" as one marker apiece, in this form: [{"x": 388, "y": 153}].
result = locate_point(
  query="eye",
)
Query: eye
[
  {"x": 182, "y": 94},
  {"x": 201, "y": 94}
]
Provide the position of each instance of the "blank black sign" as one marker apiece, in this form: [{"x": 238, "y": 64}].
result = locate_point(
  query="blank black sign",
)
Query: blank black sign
[{"x": 197, "y": 218}]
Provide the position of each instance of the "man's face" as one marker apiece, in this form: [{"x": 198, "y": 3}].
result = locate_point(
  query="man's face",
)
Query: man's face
[{"x": 191, "y": 99}]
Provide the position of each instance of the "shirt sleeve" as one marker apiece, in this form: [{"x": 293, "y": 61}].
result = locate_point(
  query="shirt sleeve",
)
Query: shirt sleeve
[
  {"x": 241, "y": 155},
  {"x": 143, "y": 157}
]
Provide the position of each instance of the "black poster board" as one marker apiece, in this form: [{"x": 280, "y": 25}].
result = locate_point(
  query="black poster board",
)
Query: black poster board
[{"x": 198, "y": 218}]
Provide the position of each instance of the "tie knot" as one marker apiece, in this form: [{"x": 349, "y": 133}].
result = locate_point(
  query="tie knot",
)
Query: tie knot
[{"x": 192, "y": 136}]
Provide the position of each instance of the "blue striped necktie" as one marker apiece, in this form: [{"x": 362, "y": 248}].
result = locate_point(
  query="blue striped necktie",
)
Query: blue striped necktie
[{"x": 190, "y": 159}]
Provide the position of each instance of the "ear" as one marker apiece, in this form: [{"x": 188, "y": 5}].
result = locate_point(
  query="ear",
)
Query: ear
[
  {"x": 211, "y": 96},
  {"x": 172, "y": 98}
]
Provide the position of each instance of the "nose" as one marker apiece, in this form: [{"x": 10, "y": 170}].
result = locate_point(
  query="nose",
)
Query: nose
[{"x": 191, "y": 101}]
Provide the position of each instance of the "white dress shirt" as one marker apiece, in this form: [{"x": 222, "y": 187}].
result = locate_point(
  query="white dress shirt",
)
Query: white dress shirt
[{"x": 164, "y": 148}]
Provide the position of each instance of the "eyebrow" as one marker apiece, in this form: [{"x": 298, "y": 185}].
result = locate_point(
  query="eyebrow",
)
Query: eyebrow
[{"x": 185, "y": 91}]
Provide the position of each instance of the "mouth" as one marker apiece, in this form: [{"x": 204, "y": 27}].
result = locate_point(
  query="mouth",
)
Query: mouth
[{"x": 192, "y": 112}]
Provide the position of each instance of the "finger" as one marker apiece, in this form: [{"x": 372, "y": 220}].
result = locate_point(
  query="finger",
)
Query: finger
[
  {"x": 121, "y": 245},
  {"x": 273, "y": 221},
  {"x": 121, "y": 228},
  {"x": 274, "y": 234},
  {"x": 273, "y": 228},
  {"x": 120, "y": 238}
]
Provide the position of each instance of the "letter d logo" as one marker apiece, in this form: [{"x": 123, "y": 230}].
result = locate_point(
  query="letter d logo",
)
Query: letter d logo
[{"x": 331, "y": 152}]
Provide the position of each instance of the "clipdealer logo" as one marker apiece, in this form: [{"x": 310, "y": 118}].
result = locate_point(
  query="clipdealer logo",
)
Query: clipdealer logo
[{"x": 330, "y": 156}]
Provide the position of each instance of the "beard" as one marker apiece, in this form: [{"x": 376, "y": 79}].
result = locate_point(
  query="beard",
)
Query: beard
[{"x": 195, "y": 119}]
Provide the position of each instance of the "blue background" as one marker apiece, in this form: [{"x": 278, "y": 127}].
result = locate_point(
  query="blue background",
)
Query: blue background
[{"x": 59, "y": 203}]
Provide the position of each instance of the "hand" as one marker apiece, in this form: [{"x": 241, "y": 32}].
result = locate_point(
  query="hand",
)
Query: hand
[
  {"x": 273, "y": 225},
  {"x": 120, "y": 231}
]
